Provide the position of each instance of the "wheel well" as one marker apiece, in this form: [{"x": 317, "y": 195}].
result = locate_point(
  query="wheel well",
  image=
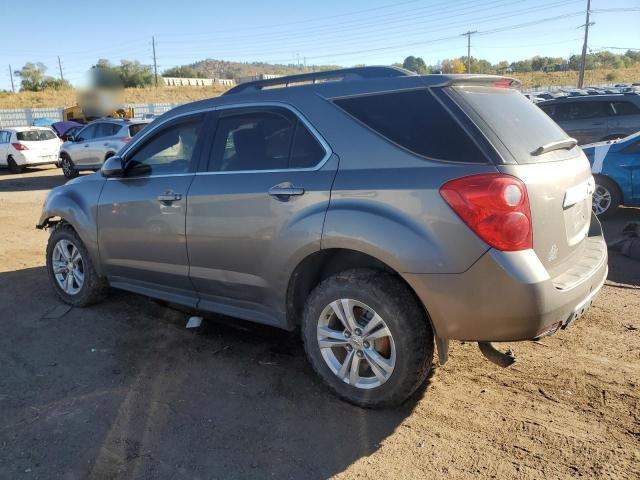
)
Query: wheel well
[
  {"x": 321, "y": 265},
  {"x": 608, "y": 178}
]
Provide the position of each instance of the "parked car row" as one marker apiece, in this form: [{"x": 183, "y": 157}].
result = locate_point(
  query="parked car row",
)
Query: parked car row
[
  {"x": 540, "y": 96},
  {"x": 72, "y": 146}
]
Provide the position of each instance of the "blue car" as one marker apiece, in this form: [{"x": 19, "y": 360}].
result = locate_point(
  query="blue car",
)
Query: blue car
[{"x": 616, "y": 169}]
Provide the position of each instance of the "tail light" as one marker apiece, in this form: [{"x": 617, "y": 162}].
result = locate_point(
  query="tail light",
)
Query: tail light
[
  {"x": 19, "y": 146},
  {"x": 125, "y": 139},
  {"x": 495, "y": 206}
]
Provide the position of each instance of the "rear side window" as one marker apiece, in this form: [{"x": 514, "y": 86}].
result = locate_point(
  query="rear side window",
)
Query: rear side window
[
  {"x": 519, "y": 124},
  {"x": 581, "y": 110},
  {"x": 625, "y": 108},
  {"x": 35, "y": 135},
  {"x": 414, "y": 120},
  {"x": 263, "y": 139},
  {"x": 134, "y": 129},
  {"x": 107, "y": 130}
]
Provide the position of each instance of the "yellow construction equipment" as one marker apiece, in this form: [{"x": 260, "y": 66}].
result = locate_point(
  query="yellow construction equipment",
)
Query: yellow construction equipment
[{"x": 96, "y": 104}]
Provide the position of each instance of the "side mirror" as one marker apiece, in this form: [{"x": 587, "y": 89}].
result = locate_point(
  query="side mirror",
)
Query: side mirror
[{"x": 112, "y": 167}]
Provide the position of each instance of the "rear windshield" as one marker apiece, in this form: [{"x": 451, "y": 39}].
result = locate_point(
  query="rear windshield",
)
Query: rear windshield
[
  {"x": 35, "y": 135},
  {"x": 417, "y": 121},
  {"x": 133, "y": 129},
  {"x": 519, "y": 124}
]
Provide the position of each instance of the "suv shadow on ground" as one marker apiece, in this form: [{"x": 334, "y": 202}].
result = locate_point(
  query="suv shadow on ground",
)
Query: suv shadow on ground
[
  {"x": 29, "y": 180},
  {"x": 123, "y": 390}
]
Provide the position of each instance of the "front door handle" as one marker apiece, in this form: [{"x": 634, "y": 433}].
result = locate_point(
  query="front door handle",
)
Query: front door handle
[
  {"x": 86, "y": 145},
  {"x": 283, "y": 191},
  {"x": 169, "y": 197}
]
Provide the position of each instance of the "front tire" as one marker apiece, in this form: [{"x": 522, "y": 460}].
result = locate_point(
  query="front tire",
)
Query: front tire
[
  {"x": 70, "y": 269},
  {"x": 68, "y": 168},
  {"x": 606, "y": 197},
  {"x": 368, "y": 338}
]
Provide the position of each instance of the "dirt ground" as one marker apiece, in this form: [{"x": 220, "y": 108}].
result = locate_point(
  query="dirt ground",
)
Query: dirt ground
[{"x": 123, "y": 390}]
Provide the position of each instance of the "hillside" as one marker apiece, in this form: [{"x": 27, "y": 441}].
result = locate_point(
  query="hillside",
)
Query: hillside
[
  {"x": 223, "y": 69},
  {"x": 53, "y": 98}
]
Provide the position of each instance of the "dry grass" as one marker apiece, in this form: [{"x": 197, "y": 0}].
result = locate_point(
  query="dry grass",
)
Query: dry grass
[
  {"x": 63, "y": 98},
  {"x": 591, "y": 77}
]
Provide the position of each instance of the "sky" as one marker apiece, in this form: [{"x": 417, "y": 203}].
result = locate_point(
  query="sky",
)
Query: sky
[{"x": 331, "y": 32}]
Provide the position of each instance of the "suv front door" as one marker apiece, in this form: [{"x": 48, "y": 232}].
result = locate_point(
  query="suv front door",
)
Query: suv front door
[
  {"x": 256, "y": 209},
  {"x": 98, "y": 145},
  {"x": 141, "y": 216},
  {"x": 79, "y": 149},
  {"x": 625, "y": 119}
]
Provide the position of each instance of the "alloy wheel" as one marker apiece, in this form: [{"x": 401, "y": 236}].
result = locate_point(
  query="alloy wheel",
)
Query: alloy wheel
[
  {"x": 68, "y": 267},
  {"x": 356, "y": 343},
  {"x": 601, "y": 199}
]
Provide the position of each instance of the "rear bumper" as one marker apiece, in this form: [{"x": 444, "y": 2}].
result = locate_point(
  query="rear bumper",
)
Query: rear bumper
[
  {"x": 509, "y": 296},
  {"x": 31, "y": 158}
]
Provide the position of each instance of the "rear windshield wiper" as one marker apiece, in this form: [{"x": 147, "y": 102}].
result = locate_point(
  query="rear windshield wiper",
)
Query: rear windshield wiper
[{"x": 566, "y": 144}]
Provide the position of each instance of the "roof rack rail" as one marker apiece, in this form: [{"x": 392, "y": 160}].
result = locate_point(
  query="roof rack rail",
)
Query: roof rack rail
[{"x": 345, "y": 74}]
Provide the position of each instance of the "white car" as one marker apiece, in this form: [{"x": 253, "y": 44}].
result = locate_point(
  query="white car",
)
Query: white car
[{"x": 21, "y": 147}]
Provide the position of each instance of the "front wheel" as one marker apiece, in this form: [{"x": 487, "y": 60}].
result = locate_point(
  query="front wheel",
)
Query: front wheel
[
  {"x": 70, "y": 269},
  {"x": 368, "y": 338},
  {"x": 68, "y": 168},
  {"x": 606, "y": 198}
]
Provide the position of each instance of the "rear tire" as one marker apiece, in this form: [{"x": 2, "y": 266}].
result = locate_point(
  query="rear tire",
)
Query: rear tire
[
  {"x": 606, "y": 197},
  {"x": 84, "y": 287},
  {"x": 13, "y": 166},
  {"x": 68, "y": 168},
  {"x": 393, "y": 358}
]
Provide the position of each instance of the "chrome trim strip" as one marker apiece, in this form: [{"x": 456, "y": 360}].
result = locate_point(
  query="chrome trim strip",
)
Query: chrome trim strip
[{"x": 151, "y": 176}]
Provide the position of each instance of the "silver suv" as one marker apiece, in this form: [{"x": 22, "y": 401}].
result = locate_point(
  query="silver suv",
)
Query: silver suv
[
  {"x": 373, "y": 209},
  {"x": 90, "y": 147}
]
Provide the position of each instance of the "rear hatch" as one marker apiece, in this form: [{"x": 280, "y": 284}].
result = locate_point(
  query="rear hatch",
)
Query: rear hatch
[
  {"x": 41, "y": 142},
  {"x": 558, "y": 178}
]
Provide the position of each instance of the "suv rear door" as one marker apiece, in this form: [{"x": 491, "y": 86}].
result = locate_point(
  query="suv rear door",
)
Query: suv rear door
[
  {"x": 256, "y": 209},
  {"x": 625, "y": 119},
  {"x": 586, "y": 121}
]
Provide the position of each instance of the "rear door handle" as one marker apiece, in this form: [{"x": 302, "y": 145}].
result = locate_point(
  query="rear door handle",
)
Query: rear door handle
[
  {"x": 283, "y": 191},
  {"x": 169, "y": 197}
]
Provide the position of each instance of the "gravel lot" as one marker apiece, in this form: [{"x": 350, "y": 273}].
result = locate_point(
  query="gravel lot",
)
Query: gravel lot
[{"x": 123, "y": 390}]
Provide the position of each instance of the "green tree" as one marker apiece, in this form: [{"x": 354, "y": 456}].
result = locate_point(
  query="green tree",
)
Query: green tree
[
  {"x": 33, "y": 78},
  {"x": 183, "y": 71},
  {"x": 129, "y": 74},
  {"x": 415, "y": 64}
]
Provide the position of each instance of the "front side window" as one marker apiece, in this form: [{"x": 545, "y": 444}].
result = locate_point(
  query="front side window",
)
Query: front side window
[
  {"x": 263, "y": 139},
  {"x": 169, "y": 151},
  {"x": 87, "y": 133}
]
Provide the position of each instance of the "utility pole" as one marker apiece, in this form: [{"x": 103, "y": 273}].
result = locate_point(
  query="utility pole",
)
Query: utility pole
[
  {"x": 155, "y": 65},
  {"x": 60, "y": 67},
  {"x": 586, "y": 26},
  {"x": 13, "y": 88},
  {"x": 468, "y": 35}
]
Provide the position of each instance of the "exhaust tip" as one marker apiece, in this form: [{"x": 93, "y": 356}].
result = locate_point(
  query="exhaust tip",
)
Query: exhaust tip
[{"x": 494, "y": 355}]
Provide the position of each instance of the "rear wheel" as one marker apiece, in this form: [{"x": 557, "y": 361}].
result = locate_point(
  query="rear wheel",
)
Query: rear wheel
[
  {"x": 68, "y": 168},
  {"x": 368, "y": 338},
  {"x": 606, "y": 197},
  {"x": 13, "y": 166}
]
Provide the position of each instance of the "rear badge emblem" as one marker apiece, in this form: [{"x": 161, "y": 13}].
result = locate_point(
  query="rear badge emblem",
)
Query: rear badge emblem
[{"x": 553, "y": 253}]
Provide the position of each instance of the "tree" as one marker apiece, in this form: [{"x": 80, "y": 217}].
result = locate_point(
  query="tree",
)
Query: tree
[
  {"x": 415, "y": 64},
  {"x": 33, "y": 78},
  {"x": 452, "y": 66},
  {"x": 128, "y": 74},
  {"x": 183, "y": 72}
]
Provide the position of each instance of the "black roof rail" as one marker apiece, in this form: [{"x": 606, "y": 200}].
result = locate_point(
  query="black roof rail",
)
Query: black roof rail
[{"x": 344, "y": 74}]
